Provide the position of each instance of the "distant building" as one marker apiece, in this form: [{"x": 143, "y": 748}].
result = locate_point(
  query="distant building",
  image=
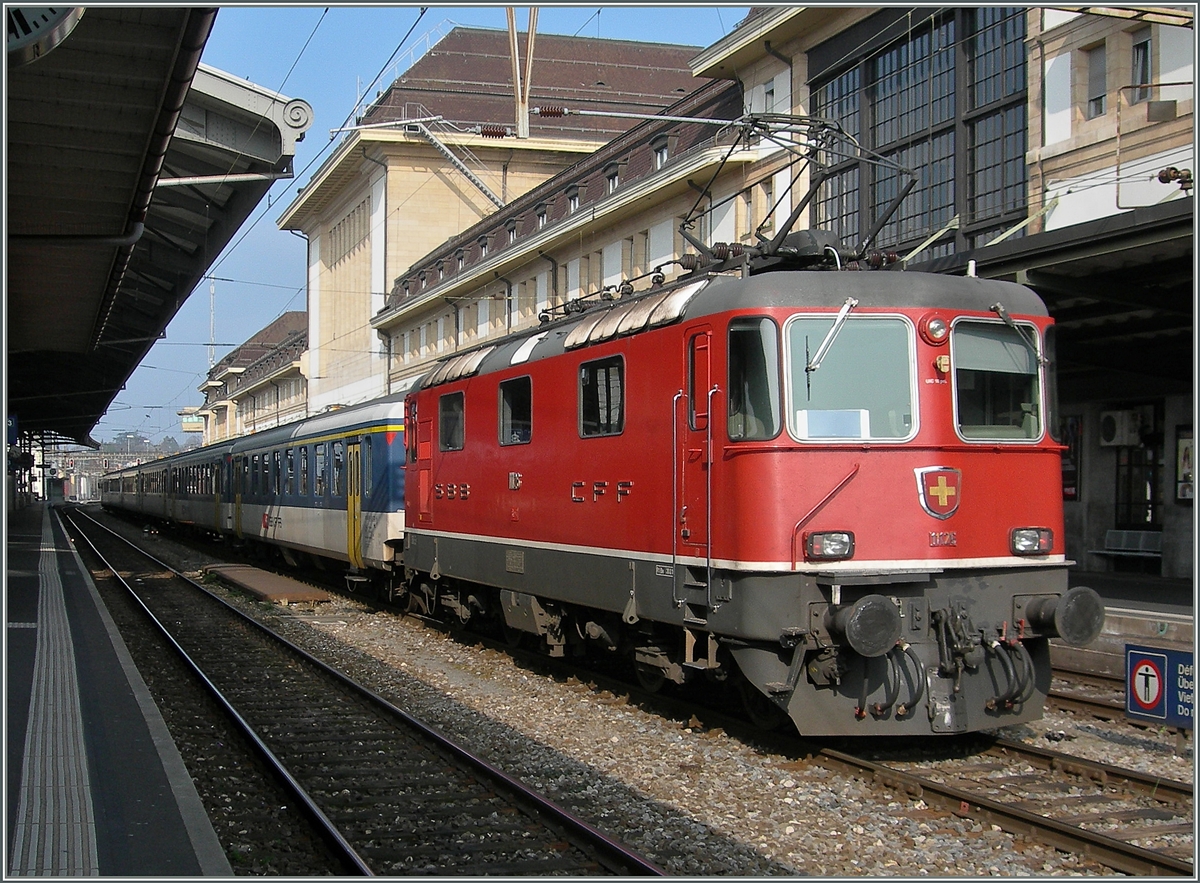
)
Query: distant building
[{"x": 259, "y": 384}]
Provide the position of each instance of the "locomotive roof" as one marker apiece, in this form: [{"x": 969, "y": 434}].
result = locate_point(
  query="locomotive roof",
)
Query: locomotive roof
[{"x": 798, "y": 289}]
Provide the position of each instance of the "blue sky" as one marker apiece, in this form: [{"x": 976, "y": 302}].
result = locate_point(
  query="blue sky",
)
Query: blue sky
[{"x": 329, "y": 56}]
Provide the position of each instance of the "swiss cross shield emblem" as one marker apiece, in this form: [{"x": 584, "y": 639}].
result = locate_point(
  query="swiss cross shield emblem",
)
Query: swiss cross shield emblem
[{"x": 940, "y": 489}]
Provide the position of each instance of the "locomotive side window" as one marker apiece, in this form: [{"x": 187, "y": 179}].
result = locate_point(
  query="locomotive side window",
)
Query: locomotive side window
[
  {"x": 516, "y": 411},
  {"x": 602, "y": 397},
  {"x": 451, "y": 426},
  {"x": 1051, "y": 354},
  {"x": 862, "y": 387},
  {"x": 753, "y": 379},
  {"x": 997, "y": 393}
]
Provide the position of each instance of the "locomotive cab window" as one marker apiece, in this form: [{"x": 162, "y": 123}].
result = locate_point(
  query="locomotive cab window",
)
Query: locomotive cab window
[
  {"x": 753, "y": 379},
  {"x": 516, "y": 411},
  {"x": 451, "y": 425},
  {"x": 861, "y": 388},
  {"x": 602, "y": 397},
  {"x": 997, "y": 391}
]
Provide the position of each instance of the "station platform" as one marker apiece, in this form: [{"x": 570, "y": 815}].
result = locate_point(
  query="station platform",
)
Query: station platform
[{"x": 94, "y": 784}]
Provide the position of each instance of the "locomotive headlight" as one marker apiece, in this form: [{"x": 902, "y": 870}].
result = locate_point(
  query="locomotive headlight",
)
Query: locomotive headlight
[
  {"x": 1031, "y": 540},
  {"x": 829, "y": 546},
  {"x": 935, "y": 329}
]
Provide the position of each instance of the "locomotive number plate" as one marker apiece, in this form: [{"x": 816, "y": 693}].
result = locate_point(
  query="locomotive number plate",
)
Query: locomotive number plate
[{"x": 943, "y": 538}]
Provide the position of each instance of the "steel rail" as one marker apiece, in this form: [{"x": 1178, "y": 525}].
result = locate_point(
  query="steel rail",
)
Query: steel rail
[
  {"x": 618, "y": 855},
  {"x": 328, "y": 831},
  {"x": 1155, "y": 786}
]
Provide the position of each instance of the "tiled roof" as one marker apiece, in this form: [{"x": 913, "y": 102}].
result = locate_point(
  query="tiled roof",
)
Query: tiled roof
[{"x": 467, "y": 79}]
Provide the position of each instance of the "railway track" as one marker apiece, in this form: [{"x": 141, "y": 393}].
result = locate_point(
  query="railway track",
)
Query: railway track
[
  {"x": 1129, "y": 821},
  {"x": 392, "y": 795},
  {"x": 1117, "y": 814}
]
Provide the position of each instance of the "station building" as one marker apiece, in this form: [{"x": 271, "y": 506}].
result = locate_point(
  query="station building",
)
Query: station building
[{"x": 1053, "y": 149}]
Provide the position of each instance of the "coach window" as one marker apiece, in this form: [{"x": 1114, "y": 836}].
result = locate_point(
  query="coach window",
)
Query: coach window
[
  {"x": 997, "y": 394},
  {"x": 451, "y": 426},
  {"x": 289, "y": 485},
  {"x": 602, "y": 397},
  {"x": 319, "y": 470},
  {"x": 862, "y": 388},
  {"x": 516, "y": 411},
  {"x": 365, "y": 468},
  {"x": 339, "y": 462},
  {"x": 304, "y": 471},
  {"x": 753, "y": 379},
  {"x": 276, "y": 472},
  {"x": 254, "y": 474}
]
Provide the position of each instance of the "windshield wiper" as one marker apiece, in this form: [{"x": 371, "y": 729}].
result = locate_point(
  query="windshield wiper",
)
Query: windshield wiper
[
  {"x": 815, "y": 362},
  {"x": 998, "y": 309}
]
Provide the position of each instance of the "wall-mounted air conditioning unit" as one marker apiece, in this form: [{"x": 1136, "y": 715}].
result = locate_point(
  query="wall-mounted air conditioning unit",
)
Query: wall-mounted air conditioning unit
[{"x": 1120, "y": 429}]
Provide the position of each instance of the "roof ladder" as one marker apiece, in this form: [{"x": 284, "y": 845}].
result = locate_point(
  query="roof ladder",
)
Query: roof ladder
[{"x": 424, "y": 132}]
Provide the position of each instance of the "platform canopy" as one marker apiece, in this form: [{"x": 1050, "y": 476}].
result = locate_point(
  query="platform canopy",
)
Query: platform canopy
[{"x": 130, "y": 166}]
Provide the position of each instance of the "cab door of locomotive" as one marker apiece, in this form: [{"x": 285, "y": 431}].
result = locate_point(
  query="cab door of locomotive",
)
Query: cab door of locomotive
[
  {"x": 424, "y": 458},
  {"x": 354, "y": 485},
  {"x": 694, "y": 454}
]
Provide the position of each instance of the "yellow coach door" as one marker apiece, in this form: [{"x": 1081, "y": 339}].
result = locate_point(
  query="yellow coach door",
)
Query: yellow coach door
[{"x": 354, "y": 503}]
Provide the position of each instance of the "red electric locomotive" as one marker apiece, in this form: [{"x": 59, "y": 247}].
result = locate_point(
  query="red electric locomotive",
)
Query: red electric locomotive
[{"x": 837, "y": 489}]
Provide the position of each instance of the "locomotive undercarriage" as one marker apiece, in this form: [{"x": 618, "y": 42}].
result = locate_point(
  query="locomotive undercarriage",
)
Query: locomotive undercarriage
[{"x": 890, "y": 655}]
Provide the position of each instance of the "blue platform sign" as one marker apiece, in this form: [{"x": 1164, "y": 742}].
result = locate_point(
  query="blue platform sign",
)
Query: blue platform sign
[{"x": 1160, "y": 686}]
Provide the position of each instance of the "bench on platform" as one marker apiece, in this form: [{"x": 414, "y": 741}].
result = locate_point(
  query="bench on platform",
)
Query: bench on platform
[{"x": 1132, "y": 544}]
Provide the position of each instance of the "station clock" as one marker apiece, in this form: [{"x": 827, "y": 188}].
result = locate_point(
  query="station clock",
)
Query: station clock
[{"x": 35, "y": 30}]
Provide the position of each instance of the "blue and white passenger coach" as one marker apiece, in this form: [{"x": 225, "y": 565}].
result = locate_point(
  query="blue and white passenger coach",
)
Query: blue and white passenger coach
[{"x": 330, "y": 486}]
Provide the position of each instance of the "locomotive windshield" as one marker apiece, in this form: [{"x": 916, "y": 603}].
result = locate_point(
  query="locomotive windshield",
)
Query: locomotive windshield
[
  {"x": 864, "y": 388},
  {"x": 996, "y": 378}
]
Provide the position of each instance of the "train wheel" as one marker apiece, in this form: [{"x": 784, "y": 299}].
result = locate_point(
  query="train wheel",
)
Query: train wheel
[
  {"x": 514, "y": 638},
  {"x": 649, "y": 677},
  {"x": 761, "y": 711}
]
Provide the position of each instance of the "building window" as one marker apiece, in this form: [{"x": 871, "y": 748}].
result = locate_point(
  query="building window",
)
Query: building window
[
  {"x": 948, "y": 98},
  {"x": 1097, "y": 82},
  {"x": 516, "y": 411},
  {"x": 602, "y": 397},
  {"x": 660, "y": 146},
  {"x": 511, "y": 226},
  {"x": 541, "y": 216},
  {"x": 483, "y": 246},
  {"x": 613, "y": 176},
  {"x": 572, "y": 200},
  {"x": 1142, "y": 65},
  {"x": 461, "y": 259},
  {"x": 441, "y": 270}
]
